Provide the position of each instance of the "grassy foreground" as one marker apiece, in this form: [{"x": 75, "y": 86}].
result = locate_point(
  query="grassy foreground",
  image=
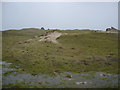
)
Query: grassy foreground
[{"x": 77, "y": 51}]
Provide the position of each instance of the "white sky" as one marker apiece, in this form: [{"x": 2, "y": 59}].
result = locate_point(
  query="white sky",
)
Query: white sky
[
  {"x": 64, "y": 15},
  {"x": 60, "y": 0}
]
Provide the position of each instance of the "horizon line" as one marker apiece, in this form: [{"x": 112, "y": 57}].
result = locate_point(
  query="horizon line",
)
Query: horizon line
[{"x": 54, "y": 28}]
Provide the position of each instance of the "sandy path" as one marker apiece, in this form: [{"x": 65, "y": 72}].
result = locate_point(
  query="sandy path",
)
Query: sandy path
[{"x": 51, "y": 37}]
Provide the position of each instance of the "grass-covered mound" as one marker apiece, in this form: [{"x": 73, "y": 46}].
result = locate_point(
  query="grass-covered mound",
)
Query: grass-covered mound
[{"x": 77, "y": 51}]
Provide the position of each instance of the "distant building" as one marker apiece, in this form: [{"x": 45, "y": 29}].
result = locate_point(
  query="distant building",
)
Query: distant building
[{"x": 111, "y": 30}]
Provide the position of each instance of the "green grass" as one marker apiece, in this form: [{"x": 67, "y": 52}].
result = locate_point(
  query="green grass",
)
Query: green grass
[{"x": 78, "y": 51}]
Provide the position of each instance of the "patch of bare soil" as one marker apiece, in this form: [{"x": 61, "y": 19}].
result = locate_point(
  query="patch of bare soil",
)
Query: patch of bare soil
[{"x": 51, "y": 37}]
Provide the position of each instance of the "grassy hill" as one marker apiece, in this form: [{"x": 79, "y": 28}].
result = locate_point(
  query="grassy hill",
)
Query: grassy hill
[{"x": 77, "y": 51}]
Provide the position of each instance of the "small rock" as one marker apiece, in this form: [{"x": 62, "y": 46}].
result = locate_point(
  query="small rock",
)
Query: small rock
[
  {"x": 81, "y": 83},
  {"x": 77, "y": 83},
  {"x": 102, "y": 74},
  {"x": 55, "y": 73},
  {"x": 69, "y": 79},
  {"x": 34, "y": 74},
  {"x": 69, "y": 76}
]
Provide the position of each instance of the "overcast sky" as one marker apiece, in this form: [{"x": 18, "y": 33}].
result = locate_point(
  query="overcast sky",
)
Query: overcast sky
[{"x": 60, "y": 15}]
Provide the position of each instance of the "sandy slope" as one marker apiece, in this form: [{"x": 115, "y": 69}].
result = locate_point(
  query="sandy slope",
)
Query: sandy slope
[{"x": 51, "y": 37}]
